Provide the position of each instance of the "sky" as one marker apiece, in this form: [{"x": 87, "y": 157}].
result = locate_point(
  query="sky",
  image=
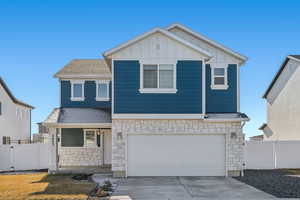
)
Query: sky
[{"x": 37, "y": 38}]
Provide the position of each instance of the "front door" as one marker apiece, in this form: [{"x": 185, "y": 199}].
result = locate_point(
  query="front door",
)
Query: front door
[{"x": 107, "y": 148}]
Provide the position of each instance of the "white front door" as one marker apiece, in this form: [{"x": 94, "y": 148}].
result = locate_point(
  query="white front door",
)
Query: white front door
[
  {"x": 107, "y": 148},
  {"x": 176, "y": 155}
]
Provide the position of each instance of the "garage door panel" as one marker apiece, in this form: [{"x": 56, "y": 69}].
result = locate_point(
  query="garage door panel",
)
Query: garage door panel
[{"x": 176, "y": 155}]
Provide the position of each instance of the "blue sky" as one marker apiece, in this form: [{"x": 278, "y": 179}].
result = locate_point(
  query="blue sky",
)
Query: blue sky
[{"x": 37, "y": 38}]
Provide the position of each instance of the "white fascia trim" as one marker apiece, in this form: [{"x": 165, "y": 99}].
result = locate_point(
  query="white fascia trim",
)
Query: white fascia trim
[
  {"x": 83, "y": 76},
  {"x": 292, "y": 58},
  {"x": 202, "y": 37},
  {"x": 78, "y": 125},
  {"x": 227, "y": 120},
  {"x": 158, "y": 116},
  {"x": 167, "y": 33}
]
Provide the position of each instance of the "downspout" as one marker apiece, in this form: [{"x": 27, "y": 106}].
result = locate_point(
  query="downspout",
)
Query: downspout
[
  {"x": 244, "y": 145},
  {"x": 204, "y": 87}
]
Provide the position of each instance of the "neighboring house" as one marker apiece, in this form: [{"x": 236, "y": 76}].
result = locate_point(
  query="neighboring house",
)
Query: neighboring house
[
  {"x": 15, "y": 118},
  {"x": 166, "y": 103},
  {"x": 43, "y": 135},
  {"x": 257, "y": 138},
  {"x": 283, "y": 105}
]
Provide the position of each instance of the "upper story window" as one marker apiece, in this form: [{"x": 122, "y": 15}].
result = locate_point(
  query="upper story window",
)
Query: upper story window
[
  {"x": 77, "y": 90},
  {"x": 219, "y": 78},
  {"x": 102, "y": 90},
  {"x": 158, "y": 78}
]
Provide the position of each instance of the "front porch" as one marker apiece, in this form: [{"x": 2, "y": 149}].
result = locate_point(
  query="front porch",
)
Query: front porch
[
  {"x": 81, "y": 140},
  {"x": 84, "y": 150}
]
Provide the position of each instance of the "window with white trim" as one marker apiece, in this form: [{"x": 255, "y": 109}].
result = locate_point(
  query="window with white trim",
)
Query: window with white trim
[
  {"x": 102, "y": 90},
  {"x": 77, "y": 90},
  {"x": 158, "y": 78},
  {"x": 90, "y": 138},
  {"x": 219, "y": 78},
  {"x": 6, "y": 140}
]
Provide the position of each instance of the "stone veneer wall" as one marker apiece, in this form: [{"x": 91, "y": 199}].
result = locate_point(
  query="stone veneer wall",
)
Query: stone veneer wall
[
  {"x": 80, "y": 156},
  {"x": 234, "y": 145}
]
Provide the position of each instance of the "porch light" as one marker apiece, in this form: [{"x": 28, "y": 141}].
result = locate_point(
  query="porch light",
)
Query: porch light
[
  {"x": 233, "y": 135},
  {"x": 119, "y": 136}
]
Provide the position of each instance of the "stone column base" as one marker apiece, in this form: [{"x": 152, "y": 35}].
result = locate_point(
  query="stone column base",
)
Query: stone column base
[
  {"x": 234, "y": 173},
  {"x": 119, "y": 174}
]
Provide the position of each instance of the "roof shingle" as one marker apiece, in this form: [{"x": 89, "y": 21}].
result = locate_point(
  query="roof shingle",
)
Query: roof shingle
[{"x": 86, "y": 68}]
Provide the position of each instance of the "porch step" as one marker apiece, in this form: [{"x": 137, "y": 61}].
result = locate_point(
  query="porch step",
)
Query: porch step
[{"x": 85, "y": 170}]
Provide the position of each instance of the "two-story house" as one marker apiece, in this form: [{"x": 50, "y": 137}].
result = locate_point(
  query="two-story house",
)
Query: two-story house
[
  {"x": 15, "y": 118},
  {"x": 166, "y": 103},
  {"x": 283, "y": 106}
]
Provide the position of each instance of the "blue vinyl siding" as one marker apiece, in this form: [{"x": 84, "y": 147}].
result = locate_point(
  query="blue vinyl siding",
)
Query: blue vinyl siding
[
  {"x": 222, "y": 101},
  {"x": 128, "y": 99},
  {"x": 89, "y": 93}
]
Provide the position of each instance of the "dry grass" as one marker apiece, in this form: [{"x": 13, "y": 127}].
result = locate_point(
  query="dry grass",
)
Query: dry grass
[
  {"x": 294, "y": 171},
  {"x": 42, "y": 186}
]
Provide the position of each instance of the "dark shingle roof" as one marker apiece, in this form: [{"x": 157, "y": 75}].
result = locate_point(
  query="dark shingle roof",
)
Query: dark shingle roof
[
  {"x": 79, "y": 115},
  {"x": 12, "y": 97}
]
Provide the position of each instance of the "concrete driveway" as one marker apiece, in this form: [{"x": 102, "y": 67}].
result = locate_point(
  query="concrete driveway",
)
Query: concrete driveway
[{"x": 185, "y": 188}]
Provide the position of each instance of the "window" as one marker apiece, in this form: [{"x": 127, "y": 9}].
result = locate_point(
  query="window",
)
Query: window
[
  {"x": 0, "y": 108},
  {"x": 6, "y": 140},
  {"x": 77, "y": 90},
  {"x": 219, "y": 78},
  {"x": 158, "y": 78},
  {"x": 90, "y": 138},
  {"x": 102, "y": 90}
]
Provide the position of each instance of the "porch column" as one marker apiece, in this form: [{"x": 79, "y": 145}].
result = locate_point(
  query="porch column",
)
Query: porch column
[{"x": 53, "y": 150}]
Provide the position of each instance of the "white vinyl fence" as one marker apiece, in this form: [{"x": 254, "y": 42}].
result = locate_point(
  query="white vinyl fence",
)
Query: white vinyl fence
[
  {"x": 272, "y": 154},
  {"x": 24, "y": 156}
]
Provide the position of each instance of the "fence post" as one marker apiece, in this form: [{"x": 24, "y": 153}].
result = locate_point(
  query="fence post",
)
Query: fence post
[{"x": 274, "y": 154}]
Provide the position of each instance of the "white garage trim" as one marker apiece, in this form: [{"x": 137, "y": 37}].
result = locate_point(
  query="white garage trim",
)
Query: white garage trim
[{"x": 176, "y": 134}]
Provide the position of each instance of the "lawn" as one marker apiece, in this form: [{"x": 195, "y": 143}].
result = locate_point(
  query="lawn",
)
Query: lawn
[{"x": 42, "y": 186}]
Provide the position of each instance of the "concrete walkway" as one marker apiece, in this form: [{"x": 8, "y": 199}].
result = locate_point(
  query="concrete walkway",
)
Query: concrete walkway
[{"x": 185, "y": 188}]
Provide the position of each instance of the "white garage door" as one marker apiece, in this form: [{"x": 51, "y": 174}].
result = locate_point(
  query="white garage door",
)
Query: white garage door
[{"x": 176, "y": 155}]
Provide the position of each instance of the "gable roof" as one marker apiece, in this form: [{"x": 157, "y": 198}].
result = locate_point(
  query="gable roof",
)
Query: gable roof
[
  {"x": 85, "y": 68},
  {"x": 12, "y": 97},
  {"x": 213, "y": 43},
  {"x": 164, "y": 32},
  {"x": 293, "y": 57}
]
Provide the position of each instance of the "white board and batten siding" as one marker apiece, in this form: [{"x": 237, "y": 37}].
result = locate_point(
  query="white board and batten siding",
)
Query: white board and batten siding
[
  {"x": 175, "y": 155},
  {"x": 218, "y": 55},
  {"x": 158, "y": 48}
]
